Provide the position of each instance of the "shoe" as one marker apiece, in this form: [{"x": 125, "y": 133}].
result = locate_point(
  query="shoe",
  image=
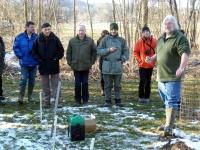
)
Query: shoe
[
  {"x": 78, "y": 103},
  {"x": 30, "y": 92},
  {"x": 141, "y": 100},
  {"x": 108, "y": 103},
  {"x": 59, "y": 106},
  {"x": 2, "y": 103},
  {"x": 2, "y": 98},
  {"x": 85, "y": 102},
  {"x": 161, "y": 128},
  {"x": 30, "y": 99},
  {"x": 46, "y": 105},
  {"x": 118, "y": 102},
  {"x": 20, "y": 102},
  {"x": 146, "y": 100},
  {"x": 21, "y": 95},
  {"x": 102, "y": 93}
]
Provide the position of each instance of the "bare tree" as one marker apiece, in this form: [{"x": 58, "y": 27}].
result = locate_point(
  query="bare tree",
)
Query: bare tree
[
  {"x": 74, "y": 12},
  {"x": 113, "y": 4},
  {"x": 89, "y": 13},
  {"x": 26, "y": 10},
  {"x": 144, "y": 12},
  {"x": 174, "y": 10},
  {"x": 138, "y": 24},
  {"x": 31, "y": 9},
  {"x": 39, "y": 15}
]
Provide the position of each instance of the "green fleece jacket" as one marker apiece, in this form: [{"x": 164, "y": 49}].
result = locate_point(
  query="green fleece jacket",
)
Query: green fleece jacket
[{"x": 169, "y": 52}]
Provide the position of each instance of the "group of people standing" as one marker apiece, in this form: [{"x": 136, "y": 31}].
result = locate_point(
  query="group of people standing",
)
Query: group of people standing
[{"x": 170, "y": 53}]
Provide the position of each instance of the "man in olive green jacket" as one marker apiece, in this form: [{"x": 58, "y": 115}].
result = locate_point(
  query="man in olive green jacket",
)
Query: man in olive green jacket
[
  {"x": 114, "y": 51},
  {"x": 81, "y": 55},
  {"x": 172, "y": 55}
]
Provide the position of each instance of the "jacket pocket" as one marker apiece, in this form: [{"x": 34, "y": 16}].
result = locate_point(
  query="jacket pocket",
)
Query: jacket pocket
[
  {"x": 106, "y": 66},
  {"x": 118, "y": 67}
]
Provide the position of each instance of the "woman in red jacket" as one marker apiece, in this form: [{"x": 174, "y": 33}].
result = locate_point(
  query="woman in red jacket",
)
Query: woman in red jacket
[{"x": 144, "y": 47}]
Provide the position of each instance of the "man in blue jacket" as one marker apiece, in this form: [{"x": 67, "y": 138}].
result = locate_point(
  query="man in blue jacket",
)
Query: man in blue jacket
[{"x": 22, "y": 47}]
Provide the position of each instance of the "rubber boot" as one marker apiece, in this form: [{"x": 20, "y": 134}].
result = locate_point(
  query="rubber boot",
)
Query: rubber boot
[{"x": 170, "y": 121}]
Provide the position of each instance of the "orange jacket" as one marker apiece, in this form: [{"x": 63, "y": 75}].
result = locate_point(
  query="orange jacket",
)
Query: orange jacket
[{"x": 143, "y": 48}]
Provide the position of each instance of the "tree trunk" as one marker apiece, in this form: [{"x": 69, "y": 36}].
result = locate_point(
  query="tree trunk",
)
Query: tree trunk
[
  {"x": 26, "y": 10},
  {"x": 31, "y": 11},
  {"x": 145, "y": 12},
  {"x": 113, "y": 4},
  {"x": 89, "y": 13},
  {"x": 74, "y": 11},
  {"x": 39, "y": 15},
  {"x": 174, "y": 10}
]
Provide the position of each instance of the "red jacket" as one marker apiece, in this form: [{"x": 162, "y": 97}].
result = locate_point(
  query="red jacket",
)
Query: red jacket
[{"x": 143, "y": 48}]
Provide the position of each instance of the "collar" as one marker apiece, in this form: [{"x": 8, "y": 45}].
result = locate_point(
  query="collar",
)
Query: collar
[
  {"x": 174, "y": 34},
  {"x": 114, "y": 36},
  {"x": 79, "y": 38}
]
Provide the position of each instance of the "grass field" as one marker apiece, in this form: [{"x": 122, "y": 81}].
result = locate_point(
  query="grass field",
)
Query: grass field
[{"x": 128, "y": 128}]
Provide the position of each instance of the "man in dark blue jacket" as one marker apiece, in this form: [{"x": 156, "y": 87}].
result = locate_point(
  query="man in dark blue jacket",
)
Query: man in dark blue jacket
[{"x": 22, "y": 48}]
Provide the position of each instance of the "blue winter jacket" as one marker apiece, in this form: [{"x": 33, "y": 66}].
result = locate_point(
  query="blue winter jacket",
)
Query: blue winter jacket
[{"x": 22, "y": 48}]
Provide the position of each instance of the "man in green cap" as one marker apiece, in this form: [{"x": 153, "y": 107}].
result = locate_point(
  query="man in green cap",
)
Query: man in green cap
[{"x": 114, "y": 51}]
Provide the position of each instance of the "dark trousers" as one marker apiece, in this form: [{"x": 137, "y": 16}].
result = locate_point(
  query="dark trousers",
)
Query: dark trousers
[
  {"x": 102, "y": 82},
  {"x": 1, "y": 88},
  {"x": 100, "y": 67},
  {"x": 109, "y": 81},
  {"x": 145, "y": 82},
  {"x": 81, "y": 86}
]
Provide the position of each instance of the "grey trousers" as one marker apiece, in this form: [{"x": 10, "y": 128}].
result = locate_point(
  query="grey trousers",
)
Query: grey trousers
[
  {"x": 111, "y": 80},
  {"x": 49, "y": 86}
]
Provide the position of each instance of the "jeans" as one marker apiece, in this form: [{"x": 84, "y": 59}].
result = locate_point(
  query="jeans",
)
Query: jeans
[
  {"x": 145, "y": 82},
  {"x": 27, "y": 74},
  {"x": 170, "y": 93},
  {"x": 81, "y": 86}
]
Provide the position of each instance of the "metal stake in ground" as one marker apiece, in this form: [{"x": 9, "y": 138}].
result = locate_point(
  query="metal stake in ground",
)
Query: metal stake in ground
[
  {"x": 41, "y": 113},
  {"x": 53, "y": 129},
  {"x": 92, "y": 144}
]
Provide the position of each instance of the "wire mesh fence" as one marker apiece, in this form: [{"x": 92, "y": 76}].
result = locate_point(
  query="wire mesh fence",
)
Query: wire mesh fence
[{"x": 190, "y": 104}]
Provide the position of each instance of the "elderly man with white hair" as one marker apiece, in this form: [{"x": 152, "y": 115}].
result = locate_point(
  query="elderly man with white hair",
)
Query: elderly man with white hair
[
  {"x": 81, "y": 55},
  {"x": 172, "y": 55}
]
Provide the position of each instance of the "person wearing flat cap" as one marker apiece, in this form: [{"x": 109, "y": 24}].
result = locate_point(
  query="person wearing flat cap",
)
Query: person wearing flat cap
[
  {"x": 48, "y": 50},
  {"x": 114, "y": 51}
]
